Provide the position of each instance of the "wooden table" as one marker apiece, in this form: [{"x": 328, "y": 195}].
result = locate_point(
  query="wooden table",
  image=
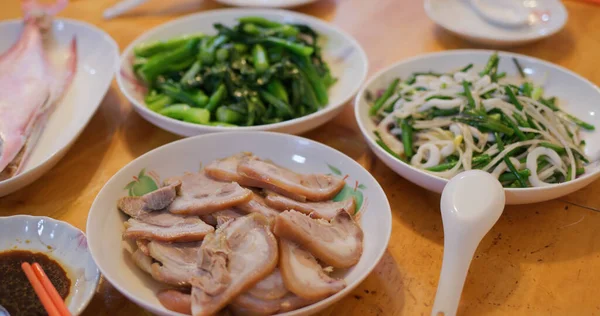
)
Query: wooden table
[{"x": 539, "y": 259}]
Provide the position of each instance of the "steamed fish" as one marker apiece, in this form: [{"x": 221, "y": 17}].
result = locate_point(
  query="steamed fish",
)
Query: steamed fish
[{"x": 34, "y": 74}]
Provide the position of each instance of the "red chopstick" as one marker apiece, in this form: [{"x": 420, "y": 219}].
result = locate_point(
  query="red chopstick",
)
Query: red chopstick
[
  {"x": 50, "y": 289},
  {"x": 45, "y": 290}
]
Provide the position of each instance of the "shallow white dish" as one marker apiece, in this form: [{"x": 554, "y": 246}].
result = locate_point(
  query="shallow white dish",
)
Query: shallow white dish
[
  {"x": 266, "y": 3},
  {"x": 105, "y": 221},
  {"x": 97, "y": 61},
  {"x": 547, "y": 17},
  {"x": 577, "y": 96},
  {"x": 347, "y": 60},
  {"x": 59, "y": 241}
]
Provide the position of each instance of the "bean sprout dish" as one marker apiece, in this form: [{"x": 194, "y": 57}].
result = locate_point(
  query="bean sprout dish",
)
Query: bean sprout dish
[{"x": 446, "y": 123}]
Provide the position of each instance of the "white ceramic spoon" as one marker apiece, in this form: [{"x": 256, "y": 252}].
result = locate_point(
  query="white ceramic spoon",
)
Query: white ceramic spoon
[
  {"x": 3, "y": 311},
  {"x": 504, "y": 13},
  {"x": 471, "y": 204}
]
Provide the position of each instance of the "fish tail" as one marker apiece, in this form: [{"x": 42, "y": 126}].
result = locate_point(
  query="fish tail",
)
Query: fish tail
[{"x": 34, "y": 10}]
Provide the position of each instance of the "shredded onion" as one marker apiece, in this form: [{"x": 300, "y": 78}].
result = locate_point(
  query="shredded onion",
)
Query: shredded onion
[
  {"x": 532, "y": 165},
  {"x": 445, "y": 124}
]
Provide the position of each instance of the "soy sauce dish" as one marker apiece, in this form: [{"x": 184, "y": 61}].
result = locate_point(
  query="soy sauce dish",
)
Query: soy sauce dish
[
  {"x": 518, "y": 114},
  {"x": 59, "y": 248},
  {"x": 16, "y": 294}
]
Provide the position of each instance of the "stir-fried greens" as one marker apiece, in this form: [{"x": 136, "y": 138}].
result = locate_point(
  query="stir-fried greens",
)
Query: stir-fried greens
[
  {"x": 257, "y": 72},
  {"x": 468, "y": 119}
]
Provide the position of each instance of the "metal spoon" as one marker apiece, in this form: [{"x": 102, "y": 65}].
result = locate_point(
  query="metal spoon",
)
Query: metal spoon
[
  {"x": 471, "y": 204},
  {"x": 504, "y": 13}
]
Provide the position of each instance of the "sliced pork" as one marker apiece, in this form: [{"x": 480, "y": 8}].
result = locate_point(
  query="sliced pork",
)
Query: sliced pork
[
  {"x": 178, "y": 229},
  {"x": 176, "y": 301},
  {"x": 223, "y": 216},
  {"x": 267, "y": 297},
  {"x": 247, "y": 304},
  {"x": 176, "y": 262},
  {"x": 142, "y": 245},
  {"x": 215, "y": 241},
  {"x": 226, "y": 169},
  {"x": 239, "y": 254},
  {"x": 303, "y": 275},
  {"x": 292, "y": 301},
  {"x": 160, "y": 199},
  {"x": 222, "y": 219},
  {"x": 142, "y": 260},
  {"x": 258, "y": 205},
  {"x": 301, "y": 187},
  {"x": 200, "y": 195},
  {"x": 337, "y": 242},
  {"x": 160, "y": 225},
  {"x": 269, "y": 288},
  {"x": 326, "y": 210},
  {"x": 134, "y": 207}
]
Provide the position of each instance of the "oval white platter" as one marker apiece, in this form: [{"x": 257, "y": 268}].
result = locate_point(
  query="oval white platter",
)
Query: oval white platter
[{"x": 97, "y": 62}]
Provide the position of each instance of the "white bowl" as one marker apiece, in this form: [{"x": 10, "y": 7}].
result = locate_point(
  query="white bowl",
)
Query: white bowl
[
  {"x": 458, "y": 17},
  {"x": 578, "y": 96},
  {"x": 105, "y": 222},
  {"x": 97, "y": 61},
  {"x": 347, "y": 60},
  {"x": 266, "y": 3},
  {"x": 59, "y": 241}
]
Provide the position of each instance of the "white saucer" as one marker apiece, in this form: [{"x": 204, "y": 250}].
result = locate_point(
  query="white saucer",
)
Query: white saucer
[{"x": 547, "y": 17}]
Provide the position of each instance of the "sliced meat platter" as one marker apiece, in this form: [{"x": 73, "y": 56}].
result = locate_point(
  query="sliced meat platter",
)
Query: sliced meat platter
[{"x": 244, "y": 236}]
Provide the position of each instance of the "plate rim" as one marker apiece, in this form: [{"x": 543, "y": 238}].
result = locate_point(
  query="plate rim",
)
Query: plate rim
[{"x": 56, "y": 153}]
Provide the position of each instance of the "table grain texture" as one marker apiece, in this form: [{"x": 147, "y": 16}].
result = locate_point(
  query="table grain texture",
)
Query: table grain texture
[{"x": 539, "y": 259}]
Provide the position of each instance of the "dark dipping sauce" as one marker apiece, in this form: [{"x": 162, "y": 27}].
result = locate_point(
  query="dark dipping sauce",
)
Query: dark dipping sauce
[{"x": 16, "y": 294}]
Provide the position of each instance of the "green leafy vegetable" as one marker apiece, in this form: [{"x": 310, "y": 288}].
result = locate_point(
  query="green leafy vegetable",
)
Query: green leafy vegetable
[{"x": 256, "y": 72}]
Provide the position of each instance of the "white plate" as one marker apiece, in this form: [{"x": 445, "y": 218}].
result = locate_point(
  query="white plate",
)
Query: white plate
[
  {"x": 577, "y": 96},
  {"x": 61, "y": 242},
  {"x": 97, "y": 61},
  {"x": 266, "y": 3},
  {"x": 346, "y": 58},
  {"x": 458, "y": 17},
  {"x": 105, "y": 221}
]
